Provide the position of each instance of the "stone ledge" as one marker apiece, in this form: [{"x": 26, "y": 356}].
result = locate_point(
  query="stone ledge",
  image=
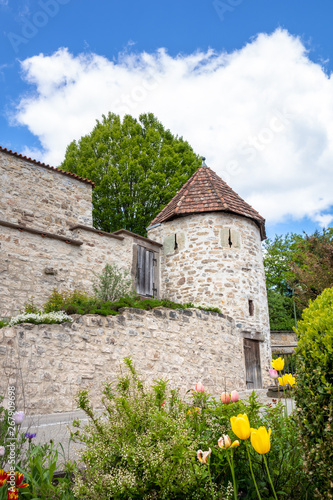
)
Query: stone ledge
[{"x": 43, "y": 234}]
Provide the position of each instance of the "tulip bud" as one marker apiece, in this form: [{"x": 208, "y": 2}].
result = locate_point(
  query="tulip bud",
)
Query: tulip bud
[
  {"x": 273, "y": 373},
  {"x": 2, "y": 451},
  {"x": 18, "y": 417},
  {"x": 225, "y": 398},
  {"x": 234, "y": 396},
  {"x": 199, "y": 387}
]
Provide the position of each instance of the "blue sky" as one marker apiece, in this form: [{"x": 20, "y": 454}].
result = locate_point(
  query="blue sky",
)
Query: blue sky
[{"x": 234, "y": 76}]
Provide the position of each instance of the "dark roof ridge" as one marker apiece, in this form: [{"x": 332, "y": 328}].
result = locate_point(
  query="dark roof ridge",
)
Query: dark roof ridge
[{"x": 44, "y": 165}]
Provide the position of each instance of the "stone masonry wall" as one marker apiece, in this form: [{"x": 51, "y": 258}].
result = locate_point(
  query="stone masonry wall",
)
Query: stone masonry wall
[
  {"x": 284, "y": 340},
  {"x": 50, "y": 363},
  {"x": 31, "y": 195},
  {"x": 32, "y": 265},
  {"x": 198, "y": 265}
]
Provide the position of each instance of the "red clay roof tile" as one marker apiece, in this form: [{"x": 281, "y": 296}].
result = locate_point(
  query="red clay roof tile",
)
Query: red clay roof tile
[{"x": 205, "y": 191}]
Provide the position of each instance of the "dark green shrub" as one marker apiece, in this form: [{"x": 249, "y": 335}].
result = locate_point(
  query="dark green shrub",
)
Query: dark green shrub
[{"x": 314, "y": 391}]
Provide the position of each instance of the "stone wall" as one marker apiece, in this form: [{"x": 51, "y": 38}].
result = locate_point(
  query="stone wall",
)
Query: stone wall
[
  {"x": 198, "y": 265},
  {"x": 283, "y": 341},
  {"x": 32, "y": 265},
  {"x": 32, "y": 195},
  {"x": 50, "y": 363}
]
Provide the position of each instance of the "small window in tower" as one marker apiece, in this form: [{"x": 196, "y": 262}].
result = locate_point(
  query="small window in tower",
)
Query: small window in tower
[
  {"x": 251, "y": 308},
  {"x": 176, "y": 244},
  {"x": 230, "y": 240}
]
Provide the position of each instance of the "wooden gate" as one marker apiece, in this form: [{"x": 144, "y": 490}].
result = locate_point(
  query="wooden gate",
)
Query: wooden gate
[
  {"x": 252, "y": 364},
  {"x": 145, "y": 272}
]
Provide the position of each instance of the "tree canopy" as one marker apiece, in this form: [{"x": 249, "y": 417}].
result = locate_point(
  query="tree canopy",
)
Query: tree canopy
[
  {"x": 137, "y": 167},
  {"x": 299, "y": 266}
]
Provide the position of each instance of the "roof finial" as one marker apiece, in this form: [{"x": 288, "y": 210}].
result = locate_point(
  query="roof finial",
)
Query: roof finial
[{"x": 203, "y": 162}]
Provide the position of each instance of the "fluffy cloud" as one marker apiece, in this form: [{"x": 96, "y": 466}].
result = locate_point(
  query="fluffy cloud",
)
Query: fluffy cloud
[{"x": 262, "y": 115}]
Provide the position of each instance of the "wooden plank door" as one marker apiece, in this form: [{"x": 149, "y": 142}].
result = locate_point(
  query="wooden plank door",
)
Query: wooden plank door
[
  {"x": 145, "y": 272},
  {"x": 252, "y": 364}
]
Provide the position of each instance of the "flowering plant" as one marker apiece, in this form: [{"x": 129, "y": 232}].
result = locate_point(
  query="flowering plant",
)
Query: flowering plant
[{"x": 39, "y": 318}]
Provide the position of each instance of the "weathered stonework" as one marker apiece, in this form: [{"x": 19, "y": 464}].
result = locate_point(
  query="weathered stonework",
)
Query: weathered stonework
[
  {"x": 199, "y": 266},
  {"x": 31, "y": 195},
  {"x": 32, "y": 266},
  {"x": 283, "y": 341},
  {"x": 214, "y": 258},
  {"x": 48, "y": 364}
]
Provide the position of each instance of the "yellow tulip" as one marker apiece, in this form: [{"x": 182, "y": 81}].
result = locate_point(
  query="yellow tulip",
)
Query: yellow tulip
[
  {"x": 291, "y": 380},
  {"x": 241, "y": 426},
  {"x": 278, "y": 364},
  {"x": 261, "y": 440}
]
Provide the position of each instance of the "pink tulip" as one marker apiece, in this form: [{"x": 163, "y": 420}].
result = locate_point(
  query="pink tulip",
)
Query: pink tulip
[
  {"x": 225, "y": 398},
  {"x": 199, "y": 387},
  {"x": 273, "y": 373},
  {"x": 234, "y": 396}
]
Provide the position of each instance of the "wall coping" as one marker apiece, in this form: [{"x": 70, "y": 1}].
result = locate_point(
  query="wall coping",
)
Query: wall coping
[
  {"x": 137, "y": 236},
  {"x": 41, "y": 233}
]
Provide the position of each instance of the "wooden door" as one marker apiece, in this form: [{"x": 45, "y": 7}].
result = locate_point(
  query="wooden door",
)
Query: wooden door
[
  {"x": 145, "y": 272},
  {"x": 252, "y": 364}
]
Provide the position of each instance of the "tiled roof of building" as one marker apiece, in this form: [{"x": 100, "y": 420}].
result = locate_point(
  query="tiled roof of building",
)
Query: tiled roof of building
[
  {"x": 205, "y": 191},
  {"x": 40, "y": 164}
]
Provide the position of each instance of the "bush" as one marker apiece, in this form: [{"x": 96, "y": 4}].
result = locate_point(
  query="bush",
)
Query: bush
[
  {"x": 112, "y": 284},
  {"x": 142, "y": 450},
  {"x": 144, "y": 446},
  {"x": 315, "y": 389}
]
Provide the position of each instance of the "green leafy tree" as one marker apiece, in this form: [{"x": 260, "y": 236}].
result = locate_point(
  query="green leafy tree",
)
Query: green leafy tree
[
  {"x": 137, "y": 167},
  {"x": 279, "y": 254},
  {"x": 312, "y": 271},
  {"x": 298, "y": 267}
]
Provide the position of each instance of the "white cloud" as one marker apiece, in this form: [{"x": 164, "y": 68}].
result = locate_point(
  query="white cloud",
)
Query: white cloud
[{"x": 262, "y": 115}]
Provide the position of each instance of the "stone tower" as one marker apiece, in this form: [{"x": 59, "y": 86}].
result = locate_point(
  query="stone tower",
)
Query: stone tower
[{"x": 212, "y": 252}]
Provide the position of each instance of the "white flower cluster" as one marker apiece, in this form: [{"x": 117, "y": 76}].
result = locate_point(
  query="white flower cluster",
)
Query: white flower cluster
[{"x": 39, "y": 318}]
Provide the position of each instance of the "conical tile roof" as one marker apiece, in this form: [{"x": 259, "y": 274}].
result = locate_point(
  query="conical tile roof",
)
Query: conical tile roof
[{"x": 205, "y": 191}]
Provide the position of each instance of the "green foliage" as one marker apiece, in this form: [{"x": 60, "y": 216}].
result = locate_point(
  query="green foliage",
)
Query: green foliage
[
  {"x": 281, "y": 311},
  {"x": 296, "y": 265},
  {"x": 39, "y": 474},
  {"x": 30, "y": 307},
  {"x": 71, "y": 302},
  {"x": 315, "y": 389},
  {"x": 279, "y": 253},
  {"x": 77, "y": 302},
  {"x": 313, "y": 266},
  {"x": 137, "y": 167},
  {"x": 5, "y": 433},
  {"x": 112, "y": 284},
  {"x": 143, "y": 446},
  {"x": 140, "y": 448},
  {"x": 3, "y": 323}
]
